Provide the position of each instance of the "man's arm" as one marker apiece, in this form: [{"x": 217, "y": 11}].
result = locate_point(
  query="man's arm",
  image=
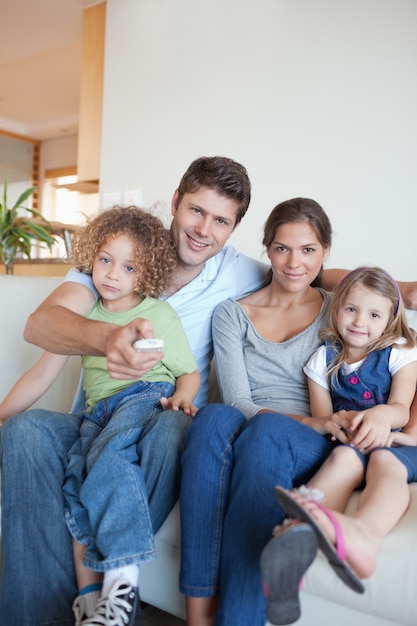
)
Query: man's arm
[
  {"x": 408, "y": 290},
  {"x": 58, "y": 325}
]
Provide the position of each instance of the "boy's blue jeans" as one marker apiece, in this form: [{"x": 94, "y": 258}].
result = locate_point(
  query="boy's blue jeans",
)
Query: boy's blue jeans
[
  {"x": 228, "y": 510},
  {"x": 104, "y": 489},
  {"x": 38, "y": 582}
]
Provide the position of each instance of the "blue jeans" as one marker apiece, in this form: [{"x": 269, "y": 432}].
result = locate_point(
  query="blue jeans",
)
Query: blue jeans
[
  {"x": 38, "y": 580},
  {"x": 104, "y": 489},
  {"x": 230, "y": 468}
]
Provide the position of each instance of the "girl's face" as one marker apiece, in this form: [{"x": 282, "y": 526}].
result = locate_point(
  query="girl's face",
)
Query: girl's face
[
  {"x": 296, "y": 256},
  {"x": 114, "y": 273},
  {"x": 362, "y": 318}
]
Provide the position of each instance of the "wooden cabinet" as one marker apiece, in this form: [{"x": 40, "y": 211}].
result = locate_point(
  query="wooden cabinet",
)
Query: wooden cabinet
[{"x": 91, "y": 93}]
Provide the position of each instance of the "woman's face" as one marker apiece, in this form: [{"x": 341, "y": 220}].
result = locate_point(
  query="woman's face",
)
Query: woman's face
[{"x": 296, "y": 256}]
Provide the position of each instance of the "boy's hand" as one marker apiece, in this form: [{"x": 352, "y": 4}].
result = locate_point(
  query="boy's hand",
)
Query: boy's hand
[{"x": 175, "y": 403}]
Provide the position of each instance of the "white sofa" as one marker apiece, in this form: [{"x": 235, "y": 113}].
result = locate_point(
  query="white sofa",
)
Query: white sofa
[{"x": 391, "y": 594}]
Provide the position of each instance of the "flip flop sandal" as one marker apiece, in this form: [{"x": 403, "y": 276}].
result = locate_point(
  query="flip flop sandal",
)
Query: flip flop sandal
[
  {"x": 284, "y": 560},
  {"x": 335, "y": 555}
]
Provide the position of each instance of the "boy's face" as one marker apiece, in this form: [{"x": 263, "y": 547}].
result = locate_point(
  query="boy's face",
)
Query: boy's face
[
  {"x": 114, "y": 273},
  {"x": 202, "y": 223}
]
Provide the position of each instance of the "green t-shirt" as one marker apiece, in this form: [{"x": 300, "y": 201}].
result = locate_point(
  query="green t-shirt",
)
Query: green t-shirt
[{"x": 178, "y": 358}]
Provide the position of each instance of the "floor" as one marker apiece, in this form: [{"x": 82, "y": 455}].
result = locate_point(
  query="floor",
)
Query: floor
[{"x": 155, "y": 617}]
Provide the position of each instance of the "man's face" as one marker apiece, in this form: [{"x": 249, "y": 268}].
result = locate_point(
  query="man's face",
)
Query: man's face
[{"x": 202, "y": 223}]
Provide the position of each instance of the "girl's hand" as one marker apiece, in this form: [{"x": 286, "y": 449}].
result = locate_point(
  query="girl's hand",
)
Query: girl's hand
[
  {"x": 371, "y": 429},
  {"x": 399, "y": 438},
  {"x": 175, "y": 403}
]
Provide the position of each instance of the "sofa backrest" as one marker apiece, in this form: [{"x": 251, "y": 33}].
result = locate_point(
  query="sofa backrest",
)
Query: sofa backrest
[{"x": 19, "y": 296}]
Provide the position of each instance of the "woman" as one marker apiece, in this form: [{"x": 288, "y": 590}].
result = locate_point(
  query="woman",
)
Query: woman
[{"x": 236, "y": 454}]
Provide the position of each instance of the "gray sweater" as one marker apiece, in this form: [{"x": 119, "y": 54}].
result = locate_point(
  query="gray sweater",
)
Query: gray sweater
[{"x": 254, "y": 373}]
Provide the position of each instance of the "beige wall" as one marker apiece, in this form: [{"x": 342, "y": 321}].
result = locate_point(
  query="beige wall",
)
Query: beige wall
[{"x": 315, "y": 98}]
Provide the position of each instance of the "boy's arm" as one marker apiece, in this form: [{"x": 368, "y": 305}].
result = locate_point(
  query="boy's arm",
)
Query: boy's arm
[
  {"x": 186, "y": 389},
  {"x": 32, "y": 385},
  {"x": 332, "y": 277}
]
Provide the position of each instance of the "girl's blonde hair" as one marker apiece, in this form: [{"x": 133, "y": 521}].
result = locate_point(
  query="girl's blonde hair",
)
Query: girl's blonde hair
[
  {"x": 378, "y": 280},
  {"x": 155, "y": 256}
]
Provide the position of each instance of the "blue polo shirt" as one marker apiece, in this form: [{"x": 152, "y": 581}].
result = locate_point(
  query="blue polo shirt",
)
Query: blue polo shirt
[{"x": 228, "y": 274}]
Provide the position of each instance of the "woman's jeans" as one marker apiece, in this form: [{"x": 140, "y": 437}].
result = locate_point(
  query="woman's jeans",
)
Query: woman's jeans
[
  {"x": 38, "y": 580},
  {"x": 104, "y": 489},
  {"x": 230, "y": 468}
]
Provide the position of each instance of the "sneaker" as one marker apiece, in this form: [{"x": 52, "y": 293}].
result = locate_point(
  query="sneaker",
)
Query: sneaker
[
  {"x": 118, "y": 608},
  {"x": 78, "y": 608}
]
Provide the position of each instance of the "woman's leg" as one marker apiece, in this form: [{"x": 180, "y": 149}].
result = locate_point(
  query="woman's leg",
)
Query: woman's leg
[
  {"x": 271, "y": 450},
  {"x": 207, "y": 465},
  {"x": 38, "y": 580}
]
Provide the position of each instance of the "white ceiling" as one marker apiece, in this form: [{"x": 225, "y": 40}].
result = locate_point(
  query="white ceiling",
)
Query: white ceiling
[{"x": 40, "y": 66}]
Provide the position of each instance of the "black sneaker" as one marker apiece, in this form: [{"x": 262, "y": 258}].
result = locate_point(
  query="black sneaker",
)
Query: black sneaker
[{"x": 116, "y": 609}]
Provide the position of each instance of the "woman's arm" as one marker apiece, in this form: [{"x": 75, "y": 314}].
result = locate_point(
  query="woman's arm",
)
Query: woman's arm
[
  {"x": 229, "y": 359},
  {"x": 32, "y": 385}
]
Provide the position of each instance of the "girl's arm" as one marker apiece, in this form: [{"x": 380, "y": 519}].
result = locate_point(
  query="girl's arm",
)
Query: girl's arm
[
  {"x": 374, "y": 425},
  {"x": 186, "y": 389},
  {"x": 408, "y": 435},
  {"x": 320, "y": 400},
  {"x": 32, "y": 385}
]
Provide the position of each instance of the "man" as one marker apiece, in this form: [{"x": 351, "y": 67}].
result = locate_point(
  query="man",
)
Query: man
[{"x": 38, "y": 583}]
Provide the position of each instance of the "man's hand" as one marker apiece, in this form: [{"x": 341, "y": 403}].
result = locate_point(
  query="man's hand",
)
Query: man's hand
[
  {"x": 409, "y": 293},
  {"x": 123, "y": 361}
]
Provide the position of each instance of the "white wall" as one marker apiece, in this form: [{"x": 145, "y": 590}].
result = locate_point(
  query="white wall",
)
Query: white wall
[{"x": 316, "y": 98}]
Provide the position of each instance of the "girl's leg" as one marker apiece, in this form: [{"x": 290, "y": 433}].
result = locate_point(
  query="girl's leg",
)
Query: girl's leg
[
  {"x": 382, "y": 503},
  {"x": 271, "y": 450},
  {"x": 207, "y": 465},
  {"x": 338, "y": 477}
]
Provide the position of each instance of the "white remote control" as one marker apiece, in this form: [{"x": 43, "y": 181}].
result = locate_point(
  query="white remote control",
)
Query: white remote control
[{"x": 149, "y": 345}]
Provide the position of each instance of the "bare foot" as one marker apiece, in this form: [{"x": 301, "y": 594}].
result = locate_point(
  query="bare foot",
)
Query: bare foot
[{"x": 360, "y": 542}]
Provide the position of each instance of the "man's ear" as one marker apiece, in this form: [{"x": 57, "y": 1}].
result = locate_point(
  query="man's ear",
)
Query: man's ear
[{"x": 174, "y": 203}]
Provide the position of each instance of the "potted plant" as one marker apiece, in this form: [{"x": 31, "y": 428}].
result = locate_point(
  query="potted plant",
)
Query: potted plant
[{"x": 17, "y": 233}]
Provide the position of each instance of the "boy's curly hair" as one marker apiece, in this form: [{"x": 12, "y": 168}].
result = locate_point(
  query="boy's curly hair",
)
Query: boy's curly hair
[{"x": 155, "y": 255}]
